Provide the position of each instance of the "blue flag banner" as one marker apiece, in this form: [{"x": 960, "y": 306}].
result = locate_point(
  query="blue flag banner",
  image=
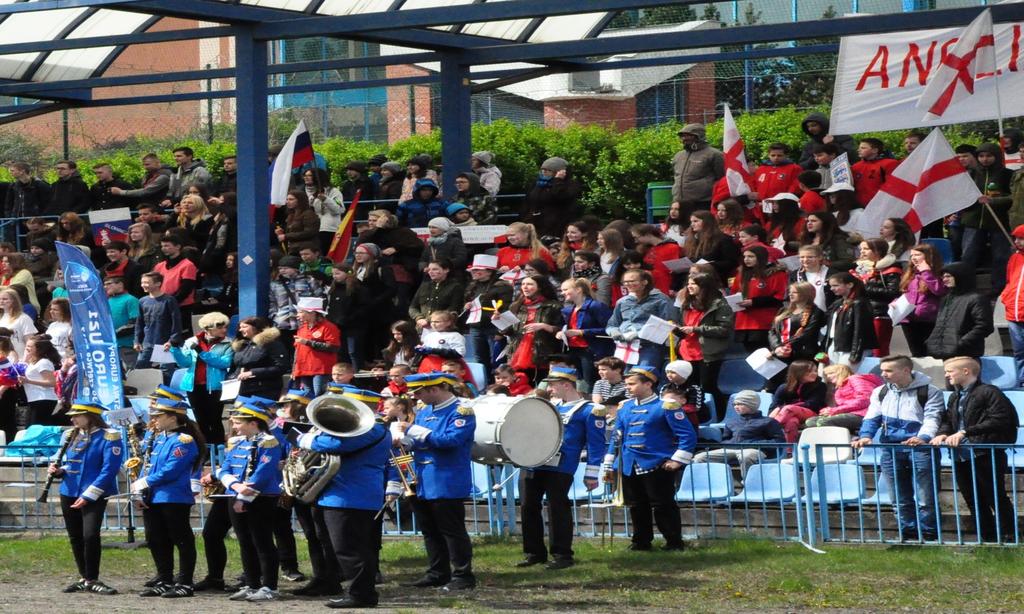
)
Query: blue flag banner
[{"x": 99, "y": 364}]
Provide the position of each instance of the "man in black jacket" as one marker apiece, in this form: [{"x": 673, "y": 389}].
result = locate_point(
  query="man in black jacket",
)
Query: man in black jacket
[
  {"x": 69, "y": 192},
  {"x": 26, "y": 196},
  {"x": 964, "y": 318},
  {"x": 103, "y": 191},
  {"x": 979, "y": 413}
]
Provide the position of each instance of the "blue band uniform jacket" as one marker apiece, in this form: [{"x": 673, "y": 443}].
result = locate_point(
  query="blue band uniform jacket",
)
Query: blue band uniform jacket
[
  {"x": 256, "y": 462},
  {"x": 441, "y": 440},
  {"x": 168, "y": 472},
  {"x": 584, "y": 428},
  {"x": 652, "y": 431},
  {"x": 91, "y": 464},
  {"x": 359, "y": 483}
]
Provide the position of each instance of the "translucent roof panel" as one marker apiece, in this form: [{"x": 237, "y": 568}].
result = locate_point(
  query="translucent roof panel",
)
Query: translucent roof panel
[
  {"x": 498, "y": 29},
  {"x": 82, "y": 63},
  {"x": 29, "y": 27},
  {"x": 566, "y": 27},
  {"x": 352, "y": 7},
  {"x": 290, "y": 5}
]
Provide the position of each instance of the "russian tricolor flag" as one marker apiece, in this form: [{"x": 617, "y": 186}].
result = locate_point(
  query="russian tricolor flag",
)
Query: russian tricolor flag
[{"x": 296, "y": 152}]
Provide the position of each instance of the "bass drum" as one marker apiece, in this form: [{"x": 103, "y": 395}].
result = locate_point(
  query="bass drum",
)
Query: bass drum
[{"x": 526, "y": 432}]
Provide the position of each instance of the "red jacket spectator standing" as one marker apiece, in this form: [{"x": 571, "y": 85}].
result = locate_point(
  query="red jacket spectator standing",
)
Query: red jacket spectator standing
[
  {"x": 656, "y": 250},
  {"x": 523, "y": 246},
  {"x": 317, "y": 343},
  {"x": 872, "y": 171},
  {"x": 776, "y": 174},
  {"x": 811, "y": 201},
  {"x": 763, "y": 287}
]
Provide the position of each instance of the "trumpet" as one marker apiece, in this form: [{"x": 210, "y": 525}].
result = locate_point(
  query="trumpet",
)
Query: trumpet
[
  {"x": 406, "y": 472},
  {"x": 132, "y": 465}
]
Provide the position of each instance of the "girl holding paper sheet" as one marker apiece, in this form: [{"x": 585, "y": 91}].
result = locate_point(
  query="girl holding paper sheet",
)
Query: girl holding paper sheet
[
  {"x": 924, "y": 290},
  {"x": 707, "y": 329},
  {"x": 706, "y": 241},
  {"x": 848, "y": 328},
  {"x": 796, "y": 329},
  {"x": 585, "y": 320},
  {"x": 540, "y": 317},
  {"x": 632, "y": 312},
  {"x": 763, "y": 288}
]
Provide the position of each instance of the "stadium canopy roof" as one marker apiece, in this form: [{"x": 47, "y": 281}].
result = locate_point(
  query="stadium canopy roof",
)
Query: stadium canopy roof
[{"x": 54, "y": 55}]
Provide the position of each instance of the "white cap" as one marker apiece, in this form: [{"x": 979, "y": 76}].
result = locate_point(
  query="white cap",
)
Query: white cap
[
  {"x": 680, "y": 367},
  {"x": 838, "y": 187},
  {"x": 784, "y": 196},
  {"x": 311, "y": 303},
  {"x": 483, "y": 261}
]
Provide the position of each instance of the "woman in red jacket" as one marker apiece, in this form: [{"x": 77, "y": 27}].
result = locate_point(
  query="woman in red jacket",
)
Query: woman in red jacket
[
  {"x": 523, "y": 246},
  {"x": 656, "y": 250},
  {"x": 763, "y": 288}
]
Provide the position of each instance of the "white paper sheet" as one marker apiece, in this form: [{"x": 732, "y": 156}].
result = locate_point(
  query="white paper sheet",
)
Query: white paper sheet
[
  {"x": 229, "y": 389},
  {"x": 792, "y": 263},
  {"x": 734, "y": 301},
  {"x": 160, "y": 355},
  {"x": 766, "y": 365},
  {"x": 679, "y": 264},
  {"x": 505, "y": 320},
  {"x": 656, "y": 330},
  {"x": 900, "y": 309}
]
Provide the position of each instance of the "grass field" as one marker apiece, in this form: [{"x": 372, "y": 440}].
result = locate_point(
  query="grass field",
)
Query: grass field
[{"x": 714, "y": 576}]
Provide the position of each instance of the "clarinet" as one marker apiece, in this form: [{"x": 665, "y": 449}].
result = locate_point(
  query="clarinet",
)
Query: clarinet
[
  {"x": 250, "y": 464},
  {"x": 72, "y": 435},
  {"x": 147, "y": 464}
]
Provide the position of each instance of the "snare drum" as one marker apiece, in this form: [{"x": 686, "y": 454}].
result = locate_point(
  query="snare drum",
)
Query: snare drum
[{"x": 526, "y": 432}]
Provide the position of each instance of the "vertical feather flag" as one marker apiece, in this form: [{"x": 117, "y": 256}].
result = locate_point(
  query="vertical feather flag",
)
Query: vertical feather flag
[{"x": 343, "y": 237}]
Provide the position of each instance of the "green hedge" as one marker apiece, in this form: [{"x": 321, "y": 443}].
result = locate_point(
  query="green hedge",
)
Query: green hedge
[{"x": 613, "y": 167}]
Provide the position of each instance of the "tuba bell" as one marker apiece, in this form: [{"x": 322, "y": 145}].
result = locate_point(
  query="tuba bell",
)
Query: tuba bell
[{"x": 306, "y": 473}]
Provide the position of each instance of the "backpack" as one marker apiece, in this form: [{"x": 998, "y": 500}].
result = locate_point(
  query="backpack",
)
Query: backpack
[{"x": 922, "y": 395}]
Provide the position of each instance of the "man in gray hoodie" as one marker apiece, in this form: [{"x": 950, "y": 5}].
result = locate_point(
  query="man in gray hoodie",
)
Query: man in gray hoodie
[
  {"x": 189, "y": 172},
  {"x": 695, "y": 169},
  {"x": 907, "y": 409},
  {"x": 490, "y": 175}
]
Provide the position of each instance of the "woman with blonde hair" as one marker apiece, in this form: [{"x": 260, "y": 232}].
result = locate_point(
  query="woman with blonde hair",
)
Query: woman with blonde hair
[
  {"x": 144, "y": 249},
  {"x": 850, "y": 395},
  {"x": 523, "y": 246},
  {"x": 13, "y": 318},
  {"x": 195, "y": 218}
]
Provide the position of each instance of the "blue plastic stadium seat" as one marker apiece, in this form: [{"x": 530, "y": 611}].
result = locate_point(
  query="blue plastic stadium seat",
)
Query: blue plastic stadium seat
[
  {"x": 999, "y": 371},
  {"x": 844, "y": 483},
  {"x": 870, "y": 455},
  {"x": 1016, "y": 455},
  {"x": 1017, "y": 398},
  {"x": 767, "y": 483},
  {"x": 481, "y": 481},
  {"x": 736, "y": 375},
  {"x": 705, "y": 482},
  {"x": 709, "y": 402},
  {"x": 869, "y": 364},
  {"x": 943, "y": 246},
  {"x": 882, "y": 494},
  {"x": 479, "y": 373},
  {"x": 578, "y": 491}
]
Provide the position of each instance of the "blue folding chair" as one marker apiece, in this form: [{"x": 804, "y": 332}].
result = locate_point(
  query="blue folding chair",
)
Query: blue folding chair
[
  {"x": 1000, "y": 371},
  {"x": 736, "y": 375},
  {"x": 1017, "y": 398},
  {"x": 943, "y": 246},
  {"x": 870, "y": 364},
  {"x": 870, "y": 456},
  {"x": 709, "y": 402},
  {"x": 481, "y": 481},
  {"x": 882, "y": 494},
  {"x": 1015, "y": 456},
  {"x": 707, "y": 482},
  {"x": 844, "y": 483},
  {"x": 767, "y": 483}
]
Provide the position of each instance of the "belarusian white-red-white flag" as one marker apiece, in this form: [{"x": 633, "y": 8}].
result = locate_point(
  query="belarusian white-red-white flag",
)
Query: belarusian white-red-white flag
[
  {"x": 737, "y": 174},
  {"x": 973, "y": 57},
  {"x": 929, "y": 185}
]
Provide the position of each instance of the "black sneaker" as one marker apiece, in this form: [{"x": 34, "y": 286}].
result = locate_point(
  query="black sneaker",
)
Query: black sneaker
[
  {"x": 178, "y": 590},
  {"x": 427, "y": 582},
  {"x": 379, "y": 578},
  {"x": 293, "y": 575},
  {"x": 639, "y": 547},
  {"x": 77, "y": 587},
  {"x": 459, "y": 584},
  {"x": 530, "y": 561},
  {"x": 209, "y": 584},
  {"x": 314, "y": 588},
  {"x": 100, "y": 588},
  {"x": 156, "y": 590},
  {"x": 152, "y": 582},
  {"x": 560, "y": 563},
  {"x": 349, "y": 603}
]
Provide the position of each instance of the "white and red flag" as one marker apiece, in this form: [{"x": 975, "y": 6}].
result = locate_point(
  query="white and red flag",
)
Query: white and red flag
[
  {"x": 972, "y": 58},
  {"x": 737, "y": 173},
  {"x": 929, "y": 185}
]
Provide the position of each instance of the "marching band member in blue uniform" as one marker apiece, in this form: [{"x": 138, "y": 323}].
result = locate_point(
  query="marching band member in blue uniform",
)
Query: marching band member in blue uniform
[
  {"x": 441, "y": 439},
  {"x": 89, "y": 476},
  {"x": 326, "y": 575},
  {"x": 252, "y": 472},
  {"x": 166, "y": 496},
  {"x": 215, "y": 531},
  {"x": 350, "y": 503},
  {"x": 583, "y": 428},
  {"x": 652, "y": 440}
]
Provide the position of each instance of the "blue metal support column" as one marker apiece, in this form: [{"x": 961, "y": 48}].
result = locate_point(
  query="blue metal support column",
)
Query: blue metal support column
[
  {"x": 253, "y": 180},
  {"x": 456, "y": 123}
]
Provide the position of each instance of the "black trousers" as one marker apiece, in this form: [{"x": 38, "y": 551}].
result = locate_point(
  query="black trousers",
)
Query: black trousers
[
  {"x": 83, "y": 526},
  {"x": 254, "y": 530},
  {"x": 706, "y": 373},
  {"x": 41, "y": 412},
  {"x": 318, "y": 542},
  {"x": 352, "y": 536},
  {"x": 555, "y": 485},
  {"x": 215, "y": 530},
  {"x": 284, "y": 537},
  {"x": 167, "y": 528},
  {"x": 916, "y": 334},
  {"x": 653, "y": 492},
  {"x": 209, "y": 410},
  {"x": 991, "y": 495},
  {"x": 449, "y": 550}
]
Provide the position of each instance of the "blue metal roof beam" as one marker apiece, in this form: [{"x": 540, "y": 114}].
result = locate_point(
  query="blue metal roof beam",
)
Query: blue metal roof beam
[
  {"x": 360, "y": 24},
  {"x": 868, "y": 24},
  {"x": 138, "y": 38}
]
